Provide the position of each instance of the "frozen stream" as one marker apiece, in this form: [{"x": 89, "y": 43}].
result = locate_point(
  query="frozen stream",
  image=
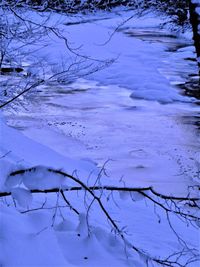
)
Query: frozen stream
[{"x": 149, "y": 138}]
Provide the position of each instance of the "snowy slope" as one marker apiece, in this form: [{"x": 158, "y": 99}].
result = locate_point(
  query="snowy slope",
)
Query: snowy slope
[
  {"x": 87, "y": 119},
  {"x": 130, "y": 113}
]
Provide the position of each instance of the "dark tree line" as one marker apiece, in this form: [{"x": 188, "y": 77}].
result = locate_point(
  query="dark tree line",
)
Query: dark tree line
[{"x": 172, "y": 7}]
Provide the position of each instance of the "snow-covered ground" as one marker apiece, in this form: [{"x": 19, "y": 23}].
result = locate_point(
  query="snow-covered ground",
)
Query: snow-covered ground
[{"x": 131, "y": 114}]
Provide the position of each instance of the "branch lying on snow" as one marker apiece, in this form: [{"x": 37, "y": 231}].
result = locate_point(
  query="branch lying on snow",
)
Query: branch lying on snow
[
  {"x": 95, "y": 188},
  {"x": 140, "y": 190},
  {"x": 169, "y": 204},
  {"x": 108, "y": 188}
]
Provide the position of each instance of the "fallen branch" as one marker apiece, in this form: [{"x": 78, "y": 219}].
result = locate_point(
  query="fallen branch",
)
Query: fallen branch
[
  {"x": 108, "y": 188},
  {"x": 147, "y": 192},
  {"x": 94, "y": 188}
]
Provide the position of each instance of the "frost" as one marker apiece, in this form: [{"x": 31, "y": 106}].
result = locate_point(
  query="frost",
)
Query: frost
[
  {"x": 82, "y": 228},
  {"x": 22, "y": 196},
  {"x": 13, "y": 181},
  {"x": 41, "y": 178},
  {"x": 136, "y": 196},
  {"x": 124, "y": 195},
  {"x": 5, "y": 169},
  {"x": 65, "y": 226}
]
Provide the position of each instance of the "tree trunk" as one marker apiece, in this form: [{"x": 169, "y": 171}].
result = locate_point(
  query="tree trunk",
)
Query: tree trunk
[{"x": 195, "y": 22}]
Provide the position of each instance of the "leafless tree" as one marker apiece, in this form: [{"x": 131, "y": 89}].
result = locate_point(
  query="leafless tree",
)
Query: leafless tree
[
  {"x": 21, "y": 36},
  {"x": 195, "y": 22}
]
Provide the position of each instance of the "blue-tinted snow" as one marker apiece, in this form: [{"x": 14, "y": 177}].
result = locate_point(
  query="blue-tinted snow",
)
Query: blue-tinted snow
[{"x": 131, "y": 114}]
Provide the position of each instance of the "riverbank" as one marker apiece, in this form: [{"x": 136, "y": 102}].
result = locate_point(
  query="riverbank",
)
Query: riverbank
[{"x": 133, "y": 116}]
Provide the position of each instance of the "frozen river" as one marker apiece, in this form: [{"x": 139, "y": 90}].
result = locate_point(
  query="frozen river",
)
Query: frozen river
[
  {"x": 135, "y": 116},
  {"x": 132, "y": 115}
]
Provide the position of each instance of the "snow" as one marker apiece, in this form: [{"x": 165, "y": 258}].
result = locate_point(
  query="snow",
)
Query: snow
[
  {"x": 22, "y": 246},
  {"x": 157, "y": 135},
  {"x": 132, "y": 114},
  {"x": 22, "y": 196},
  {"x": 124, "y": 72},
  {"x": 29, "y": 238},
  {"x": 127, "y": 73},
  {"x": 197, "y": 9},
  {"x": 26, "y": 153},
  {"x": 196, "y": 1}
]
